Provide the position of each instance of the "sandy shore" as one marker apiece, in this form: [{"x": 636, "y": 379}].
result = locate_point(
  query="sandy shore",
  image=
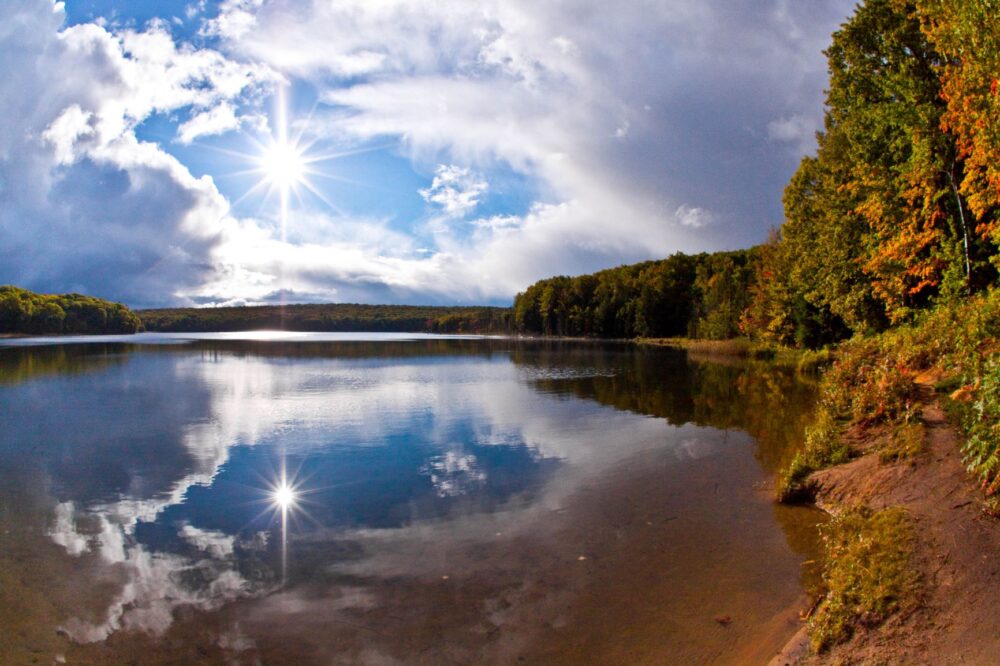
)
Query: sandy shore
[{"x": 955, "y": 554}]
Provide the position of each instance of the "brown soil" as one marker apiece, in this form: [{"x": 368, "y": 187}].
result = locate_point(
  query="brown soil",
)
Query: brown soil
[{"x": 956, "y": 621}]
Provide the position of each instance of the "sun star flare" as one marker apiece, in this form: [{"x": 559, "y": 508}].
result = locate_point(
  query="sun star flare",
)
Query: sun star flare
[
  {"x": 284, "y": 496},
  {"x": 283, "y": 165}
]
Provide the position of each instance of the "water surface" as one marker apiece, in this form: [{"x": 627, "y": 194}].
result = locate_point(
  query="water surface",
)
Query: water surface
[{"x": 458, "y": 500}]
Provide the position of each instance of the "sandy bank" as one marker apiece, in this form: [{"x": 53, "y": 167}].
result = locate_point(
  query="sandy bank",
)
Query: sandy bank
[{"x": 955, "y": 554}]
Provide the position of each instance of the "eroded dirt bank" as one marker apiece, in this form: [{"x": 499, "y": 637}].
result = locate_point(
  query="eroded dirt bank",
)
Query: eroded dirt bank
[{"x": 956, "y": 549}]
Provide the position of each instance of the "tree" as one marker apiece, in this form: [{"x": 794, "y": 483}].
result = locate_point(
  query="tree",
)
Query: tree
[{"x": 967, "y": 34}]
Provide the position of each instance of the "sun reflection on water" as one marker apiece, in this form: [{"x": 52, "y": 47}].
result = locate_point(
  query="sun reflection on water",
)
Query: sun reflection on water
[{"x": 284, "y": 496}]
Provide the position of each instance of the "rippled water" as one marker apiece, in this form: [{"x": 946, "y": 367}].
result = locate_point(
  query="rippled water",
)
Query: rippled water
[{"x": 456, "y": 501}]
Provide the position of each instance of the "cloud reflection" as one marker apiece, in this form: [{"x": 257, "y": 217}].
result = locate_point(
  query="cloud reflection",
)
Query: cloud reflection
[{"x": 154, "y": 584}]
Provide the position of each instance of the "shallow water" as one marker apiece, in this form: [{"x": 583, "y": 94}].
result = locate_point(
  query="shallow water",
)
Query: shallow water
[{"x": 456, "y": 501}]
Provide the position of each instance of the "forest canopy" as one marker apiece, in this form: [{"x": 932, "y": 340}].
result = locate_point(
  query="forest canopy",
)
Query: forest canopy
[
  {"x": 698, "y": 296},
  {"x": 331, "y": 317},
  {"x": 23, "y": 311},
  {"x": 897, "y": 210}
]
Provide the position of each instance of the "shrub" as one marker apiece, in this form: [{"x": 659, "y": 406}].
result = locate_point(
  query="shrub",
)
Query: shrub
[{"x": 982, "y": 423}]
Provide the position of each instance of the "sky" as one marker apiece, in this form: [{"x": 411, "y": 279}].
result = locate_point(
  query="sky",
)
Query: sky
[{"x": 392, "y": 151}]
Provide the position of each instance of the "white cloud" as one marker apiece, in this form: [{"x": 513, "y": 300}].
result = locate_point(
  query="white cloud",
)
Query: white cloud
[
  {"x": 64, "y": 532},
  {"x": 455, "y": 189},
  {"x": 797, "y": 130},
  {"x": 156, "y": 584},
  {"x": 499, "y": 222},
  {"x": 194, "y": 9},
  {"x": 693, "y": 217},
  {"x": 218, "y": 120},
  {"x": 63, "y": 133},
  {"x": 619, "y": 120},
  {"x": 235, "y": 19},
  {"x": 454, "y": 473},
  {"x": 217, "y": 544},
  {"x": 121, "y": 217}
]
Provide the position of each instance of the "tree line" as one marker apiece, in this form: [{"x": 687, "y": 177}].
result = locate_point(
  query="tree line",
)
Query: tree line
[
  {"x": 896, "y": 212},
  {"x": 23, "y": 311},
  {"x": 334, "y": 317},
  {"x": 698, "y": 296}
]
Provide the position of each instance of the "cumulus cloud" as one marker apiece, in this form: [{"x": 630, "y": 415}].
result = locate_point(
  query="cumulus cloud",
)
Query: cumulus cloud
[
  {"x": 798, "y": 130},
  {"x": 694, "y": 217},
  {"x": 84, "y": 204},
  {"x": 647, "y": 129},
  {"x": 72, "y": 124},
  {"x": 64, "y": 532},
  {"x": 454, "y": 473},
  {"x": 216, "y": 543},
  {"x": 455, "y": 189},
  {"x": 155, "y": 584}
]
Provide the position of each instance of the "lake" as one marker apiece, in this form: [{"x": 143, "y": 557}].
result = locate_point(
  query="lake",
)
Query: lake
[{"x": 447, "y": 500}]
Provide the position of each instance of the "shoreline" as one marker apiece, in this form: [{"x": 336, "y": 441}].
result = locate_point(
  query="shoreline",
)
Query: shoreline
[
  {"x": 950, "y": 620},
  {"x": 732, "y": 347}
]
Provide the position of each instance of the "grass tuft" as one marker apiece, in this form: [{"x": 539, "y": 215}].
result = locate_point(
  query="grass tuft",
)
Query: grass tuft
[
  {"x": 823, "y": 447},
  {"x": 906, "y": 443},
  {"x": 868, "y": 573}
]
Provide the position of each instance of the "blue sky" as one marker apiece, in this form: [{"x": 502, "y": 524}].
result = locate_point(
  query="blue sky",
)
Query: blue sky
[{"x": 451, "y": 151}]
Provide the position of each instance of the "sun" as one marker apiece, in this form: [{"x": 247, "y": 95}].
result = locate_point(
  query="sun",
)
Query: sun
[{"x": 283, "y": 165}]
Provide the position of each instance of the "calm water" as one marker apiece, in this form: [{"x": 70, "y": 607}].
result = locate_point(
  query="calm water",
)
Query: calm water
[{"x": 457, "y": 501}]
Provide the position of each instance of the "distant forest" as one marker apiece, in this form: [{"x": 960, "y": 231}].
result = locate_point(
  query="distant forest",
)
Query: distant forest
[
  {"x": 898, "y": 211},
  {"x": 700, "y": 296},
  {"x": 331, "y": 317},
  {"x": 23, "y": 311}
]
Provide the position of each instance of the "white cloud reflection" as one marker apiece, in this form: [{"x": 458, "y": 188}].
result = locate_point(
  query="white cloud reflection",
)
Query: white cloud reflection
[{"x": 153, "y": 585}]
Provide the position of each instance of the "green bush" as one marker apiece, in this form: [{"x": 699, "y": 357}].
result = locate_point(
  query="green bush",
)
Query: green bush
[
  {"x": 23, "y": 311},
  {"x": 982, "y": 423}
]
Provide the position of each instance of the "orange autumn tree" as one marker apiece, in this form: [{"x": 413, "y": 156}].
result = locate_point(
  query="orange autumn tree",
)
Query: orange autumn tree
[
  {"x": 885, "y": 99},
  {"x": 967, "y": 34},
  {"x": 873, "y": 217}
]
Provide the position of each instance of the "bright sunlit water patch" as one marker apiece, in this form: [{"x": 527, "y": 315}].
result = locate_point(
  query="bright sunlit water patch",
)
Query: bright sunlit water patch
[
  {"x": 284, "y": 496},
  {"x": 263, "y": 335}
]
